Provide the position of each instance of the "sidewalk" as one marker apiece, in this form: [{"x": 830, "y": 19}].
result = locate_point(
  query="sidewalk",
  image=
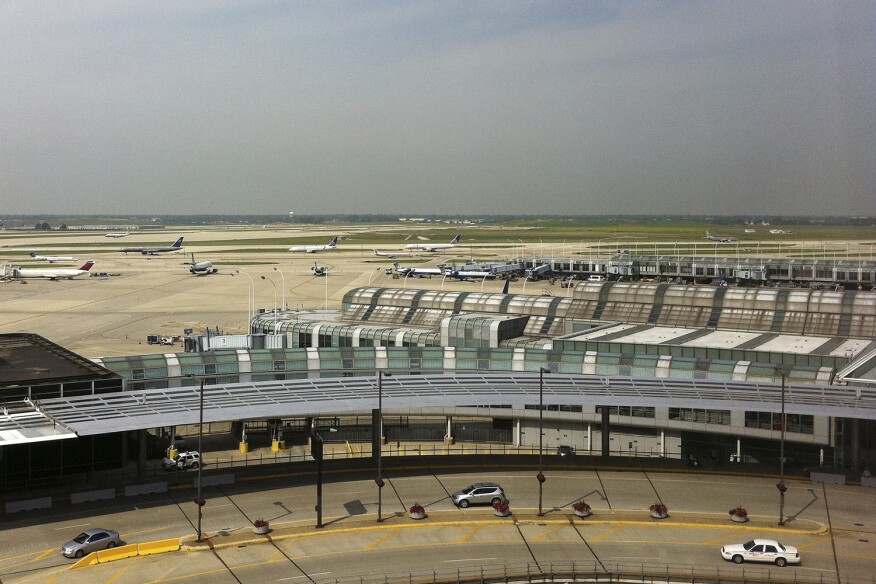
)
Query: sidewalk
[{"x": 244, "y": 536}]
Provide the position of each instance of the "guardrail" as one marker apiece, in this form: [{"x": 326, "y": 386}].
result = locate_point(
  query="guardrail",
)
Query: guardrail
[{"x": 595, "y": 571}]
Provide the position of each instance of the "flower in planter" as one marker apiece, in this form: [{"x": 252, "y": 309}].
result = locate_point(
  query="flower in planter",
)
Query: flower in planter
[
  {"x": 260, "y": 523},
  {"x": 580, "y": 506},
  {"x": 659, "y": 509},
  {"x": 417, "y": 508},
  {"x": 739, "y": 512},
  {"x": 502, "y": 506}
]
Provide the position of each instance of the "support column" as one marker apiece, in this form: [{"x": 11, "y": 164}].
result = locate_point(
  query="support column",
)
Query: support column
[
  {"x": 855, "y": 445},
  {"x": 376, "y": 438},
  {"x": 448, "y": 434},
  {"x": 606, "y": 441},
  {"x": 141, "y": 454}
]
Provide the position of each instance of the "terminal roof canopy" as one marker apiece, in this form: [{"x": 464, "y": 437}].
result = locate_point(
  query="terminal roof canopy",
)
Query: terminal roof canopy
[{"x": 29, "y": 359}]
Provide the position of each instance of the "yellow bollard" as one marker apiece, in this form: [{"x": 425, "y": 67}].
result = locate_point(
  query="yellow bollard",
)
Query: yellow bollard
[
  {"x": 171, "y": 452},
  {"x": 275, "y": 446},
  {"x": 244, "y": 447}
]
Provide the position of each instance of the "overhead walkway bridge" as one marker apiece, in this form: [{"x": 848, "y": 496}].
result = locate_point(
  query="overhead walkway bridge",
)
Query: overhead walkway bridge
[{"x": 60, "y": 418}]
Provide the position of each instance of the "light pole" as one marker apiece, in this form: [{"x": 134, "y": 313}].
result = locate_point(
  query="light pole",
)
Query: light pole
[
  {"x": 275, "y": 301},
  {"x": 199, "y": 501},
  {"x": 379, "y": 442},
  {"x": 370, "y": 276},
  {"x": 540, "y": 476},
  {"x": 283, "y": 280},
  {"x": 251, "y": 305},
  {"x": 781, "y": 486}
]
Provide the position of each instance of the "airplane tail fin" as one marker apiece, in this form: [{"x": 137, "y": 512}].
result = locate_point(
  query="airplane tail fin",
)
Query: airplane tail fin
[
  {"x": 456, "y": 239},
  {"x": 507, "y": 286},
  {"x": 33, "y": 255},
  {"x": 87, "y": 265},
  {"x": 177, "y": 243},
  {"x": 333, "y": 242}
]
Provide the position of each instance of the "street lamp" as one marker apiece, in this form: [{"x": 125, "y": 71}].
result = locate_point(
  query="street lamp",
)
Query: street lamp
[
  {"x": 283, "y": 280},
  {"x": 199, "y": 501},
  {"x": 379, "y": 443},
  {"x": 275, "y": 301},
  {"x": 370, "y": 276},
  {"x": 540, "y": 476},
  {"x": 251, "y": 304},
  {"x": 781, "y": 486}
]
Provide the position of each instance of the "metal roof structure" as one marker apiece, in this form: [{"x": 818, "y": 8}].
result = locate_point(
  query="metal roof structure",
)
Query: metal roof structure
[{"x": 132, "y": 410}]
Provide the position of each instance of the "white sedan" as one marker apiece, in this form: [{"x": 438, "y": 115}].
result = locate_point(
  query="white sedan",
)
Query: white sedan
[{"x": 761, "y": 550}]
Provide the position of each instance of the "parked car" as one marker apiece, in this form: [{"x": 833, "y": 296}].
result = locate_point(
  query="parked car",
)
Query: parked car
[
  {"x": 182, "y": 461},
  {"x": 478, "y": 494},
  {"x": 761, "y": 550},
  {"x": 564, "y": 450},
  {"x": 743, "y": 458},
  {"x": 91, "y": 541}
]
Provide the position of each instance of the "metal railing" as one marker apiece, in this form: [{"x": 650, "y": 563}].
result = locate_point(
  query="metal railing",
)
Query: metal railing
[{"x": 597, "y": 571}]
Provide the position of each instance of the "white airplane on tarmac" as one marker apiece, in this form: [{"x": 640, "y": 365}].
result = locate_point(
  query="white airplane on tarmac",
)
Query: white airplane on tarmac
[
  {"x": 720, "y": 238},
  {"x": 118, "y": 235},
  {"x": 53, "y": 259},
  {"x": 435, "y": 246},
  {"x": 316, "y": 248},
  {"x": 204, "y": 268},
  {"x": 176, "y": 246},
  {"x": 50, "y": 273},
  {"x": 419, "y": 272},
  {"x": 393, "y": 254},
  {"x": 319, "y": 270}
]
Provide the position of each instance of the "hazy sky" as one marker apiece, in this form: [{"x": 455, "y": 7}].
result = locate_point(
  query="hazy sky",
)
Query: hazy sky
[{"x": 441, "y": 107}]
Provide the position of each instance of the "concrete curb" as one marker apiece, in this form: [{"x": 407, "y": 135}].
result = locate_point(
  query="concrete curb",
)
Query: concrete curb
[{"x": 443, "y": 519}]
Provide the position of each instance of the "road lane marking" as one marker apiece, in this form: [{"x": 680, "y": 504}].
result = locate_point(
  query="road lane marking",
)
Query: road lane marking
[
  {"x": 381, "y": 540},
  {"x": 548, "y": 532},
  {"x": 304, "y": 576},
  {"x": 72, "y": 526},
  {"x": 607, "y": 533},
  {"x": 469, "y": 560},
  {"x": 466, "y": 537}
]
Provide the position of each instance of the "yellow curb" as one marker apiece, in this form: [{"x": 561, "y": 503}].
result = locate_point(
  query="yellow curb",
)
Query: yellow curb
[{"x": 525, "y": 519}]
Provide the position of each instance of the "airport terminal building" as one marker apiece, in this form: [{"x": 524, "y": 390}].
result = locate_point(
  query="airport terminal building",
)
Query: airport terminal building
[
  {"x": 635, "y": 330},
  {"x": 631, "y": 369}
]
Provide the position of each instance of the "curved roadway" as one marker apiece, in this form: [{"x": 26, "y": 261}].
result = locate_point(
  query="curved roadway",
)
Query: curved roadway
[{"x": 834, "y": 527}]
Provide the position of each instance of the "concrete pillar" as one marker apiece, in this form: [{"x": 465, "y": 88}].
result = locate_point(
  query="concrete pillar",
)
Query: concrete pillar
[
  {"x": 606, "y": 441},
  {"x": 589, "y": 438},
  {"x": 141, "y": 454},
  {"x": 376, "y": 438},
  {"x": 855, "y": 445},
  {"x": 448, "y": 434}
]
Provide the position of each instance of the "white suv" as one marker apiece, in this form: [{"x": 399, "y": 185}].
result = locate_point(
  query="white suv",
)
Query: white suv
[{"x": 182, "y": 461}]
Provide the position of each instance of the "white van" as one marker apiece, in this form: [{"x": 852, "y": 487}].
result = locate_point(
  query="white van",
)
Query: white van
[{"x": 595, "y": 278}]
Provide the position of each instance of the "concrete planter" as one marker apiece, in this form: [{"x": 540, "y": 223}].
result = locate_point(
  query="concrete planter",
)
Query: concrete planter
[
  {"x": 502, "y": 513},
  {"x": 583, "y": 513},
  {"x": 261, "y": 529},
  {"x": 739, "y": 518},
  {"x": 418, "y": 515}
]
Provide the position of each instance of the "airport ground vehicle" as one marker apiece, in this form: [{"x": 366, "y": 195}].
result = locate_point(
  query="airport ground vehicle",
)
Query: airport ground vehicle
[
  {"x": 182, "y": 461},
  {"x": 563, "y": 450},
  {"x": 91, "y": 541},
  {"x": 478, "y": 494},
  {"x": 761, "y": 550}
]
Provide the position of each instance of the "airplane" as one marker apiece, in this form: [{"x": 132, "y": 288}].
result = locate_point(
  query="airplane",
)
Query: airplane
[
  {"x": 201, "y": 268},
  {"x": 53, "y": 259},
  {"x": 177, "y": 245},
  {"x": 393, "y": 254},
  {"x": 419, "y": 272},
  {"x": 50, "y": 273},
  {"x": 117, "y": 235},
  {"x": 315, "y": 248},
  {"x": 470, "y": 275},
  {"x": 319, "y": 270},
  {"x": 435, "y": 246},
  {"x": 722, "y": 239},
  {"x": 779, "y": 231}
]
